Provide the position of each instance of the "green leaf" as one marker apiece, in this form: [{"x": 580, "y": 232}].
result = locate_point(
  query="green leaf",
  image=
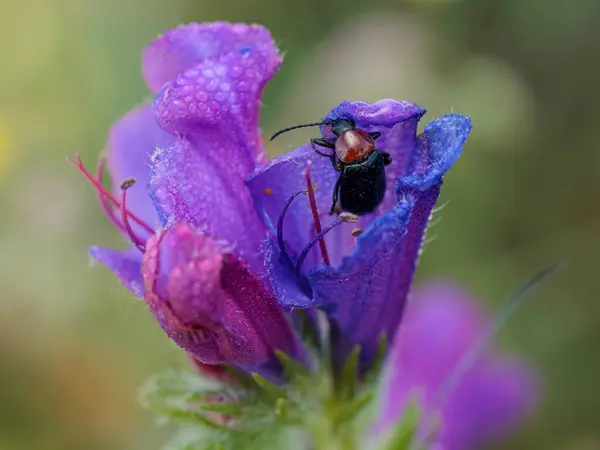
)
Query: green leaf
[
  {"x": 228, "y": 408},
  {"x": 192, "y": 415},
  {"x": 170, "y": 392}
]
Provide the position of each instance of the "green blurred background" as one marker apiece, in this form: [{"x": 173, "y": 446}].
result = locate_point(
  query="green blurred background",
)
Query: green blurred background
[{"x": 74, "y": 346}]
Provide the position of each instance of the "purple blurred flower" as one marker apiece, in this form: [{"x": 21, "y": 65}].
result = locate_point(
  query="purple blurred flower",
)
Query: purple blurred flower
[
  {"x": 442, "y": 324},
  {"x": 224, "y": 244}
]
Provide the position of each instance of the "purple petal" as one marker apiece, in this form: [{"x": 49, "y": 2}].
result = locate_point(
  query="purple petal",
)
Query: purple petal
[
  {"x": 131, "y": 142},
  {"x": 442, "y": 323},
  {"x": 272, "y": 185},
  {"x": 187, "y": 187},
  {"x": 125, "y": 264},
  {"x": 182, "y": 48},
  {"x": 216, "y": 104},
  {"x": 288, "y": 289},
  {"x": 385, "y": 114},
  {"x": 209, "y": 303}
]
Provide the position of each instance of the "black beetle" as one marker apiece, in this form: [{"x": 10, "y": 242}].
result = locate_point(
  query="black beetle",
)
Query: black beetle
[{"x": 361, "y": 184}]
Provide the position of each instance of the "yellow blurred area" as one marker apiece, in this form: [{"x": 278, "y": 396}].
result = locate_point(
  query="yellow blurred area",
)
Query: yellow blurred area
[
  {"x": 5, "y": 151},
  {"x": 75, "y": 346}
]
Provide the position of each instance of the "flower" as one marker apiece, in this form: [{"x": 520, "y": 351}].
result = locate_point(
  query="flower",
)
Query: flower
[
  {"x": 494, "y": 394},
  {"x": 366, "y": 286},
  {"x": 224, "y": 242}
]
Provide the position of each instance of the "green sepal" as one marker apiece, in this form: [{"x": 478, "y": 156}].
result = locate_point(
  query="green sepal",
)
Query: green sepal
[
  {"x": 281, "y": 407},
  {"x": 348, "y": 377},
  {"x": 350, "y": 409},
  {"x": 402, "y": 436},
  {"x": 292, "y": 369},
  {"x": 268, "y": 386},
  {"x": 374, "y": 371}
]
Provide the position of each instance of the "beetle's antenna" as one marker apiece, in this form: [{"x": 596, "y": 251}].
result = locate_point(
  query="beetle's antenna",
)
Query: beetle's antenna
[{"x": 298, "y": 126}]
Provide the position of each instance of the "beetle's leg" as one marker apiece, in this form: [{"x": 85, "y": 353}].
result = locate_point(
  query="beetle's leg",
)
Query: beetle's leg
[
  {"x": 334, "y": 162},
  {"x": 387, "y": 159},
  {"x": 336, "y": 190},
  {"x": 322, "y": 143},
  {"x": 375, "y": 134},
  {"x": 317, "y": 151}
]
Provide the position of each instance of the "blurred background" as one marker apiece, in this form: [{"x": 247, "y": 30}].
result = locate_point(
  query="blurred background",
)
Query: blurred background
[{"x": 74, "y": 346}]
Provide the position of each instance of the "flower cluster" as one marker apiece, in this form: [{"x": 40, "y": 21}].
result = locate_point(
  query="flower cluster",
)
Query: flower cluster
[{"x": 234, "y": 253}]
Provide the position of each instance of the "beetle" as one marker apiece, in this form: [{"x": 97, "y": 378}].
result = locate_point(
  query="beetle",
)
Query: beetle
[{"x": 362, "y": 182}]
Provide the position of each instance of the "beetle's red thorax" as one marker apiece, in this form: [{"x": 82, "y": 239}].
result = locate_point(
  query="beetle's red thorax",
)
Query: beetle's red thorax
[{"x": 353, "y": 145}]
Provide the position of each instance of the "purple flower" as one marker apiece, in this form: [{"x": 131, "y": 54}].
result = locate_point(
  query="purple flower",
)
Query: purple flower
[
  {"x": 224, "y": 242},
  {"x": 366, "y": 286},
  {"x": 497, "y": 393}
]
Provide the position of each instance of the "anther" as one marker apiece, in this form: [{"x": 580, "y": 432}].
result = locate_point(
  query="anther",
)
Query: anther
[
  {"x": 357, "y": 231},
  {"x": 139, "y": 243},
  {"x": 348, "y": 217}
]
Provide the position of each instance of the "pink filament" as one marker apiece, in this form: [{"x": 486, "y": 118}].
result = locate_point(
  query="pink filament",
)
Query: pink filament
[
  {"x": 316, "y": 218},
  {"x": 124, "y": 217},
  {"x": 107, "y": 196}
]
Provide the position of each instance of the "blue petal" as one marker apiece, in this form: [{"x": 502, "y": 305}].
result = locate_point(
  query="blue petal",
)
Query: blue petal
[
  {"x": 440, "y": 145},
  {"x": 366, "y": 294},
  {"x": 126, "y": 265}
]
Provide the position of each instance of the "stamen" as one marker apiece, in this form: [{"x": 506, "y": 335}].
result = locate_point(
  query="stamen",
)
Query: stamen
[
  {"x": 318, "y": 238},
  {"x": 139, "y": 243},
  {"x": 315, "y": 213},
  {"x": 107, "y": 195},
  {"x": 108, "y": 210}
]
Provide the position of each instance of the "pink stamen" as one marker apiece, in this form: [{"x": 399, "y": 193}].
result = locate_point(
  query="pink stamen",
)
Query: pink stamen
[
  {"x": 139, "y": 243},
  {"x": 316, "y": 218},
  {"x": 107, "y": 195},
  {"x": 108, "y": 210}
]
